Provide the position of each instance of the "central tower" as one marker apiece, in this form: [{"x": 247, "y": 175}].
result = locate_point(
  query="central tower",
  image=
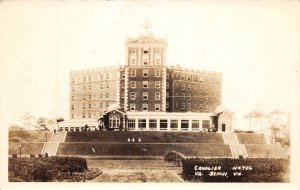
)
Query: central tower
[{"x": 144, "y": 86}]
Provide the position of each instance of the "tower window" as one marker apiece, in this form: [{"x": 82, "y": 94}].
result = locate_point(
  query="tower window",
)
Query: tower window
[
  {"x": 145, "y": 84},
  {"x": 145, "y": 73},
  {"x": 145, "y": 95},
  {"x": 132, "y": 95},
  {"x": 157, "y": 96}
]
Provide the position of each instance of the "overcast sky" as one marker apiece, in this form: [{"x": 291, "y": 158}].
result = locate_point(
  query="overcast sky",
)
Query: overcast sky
[{"x": 254, "y": 44}]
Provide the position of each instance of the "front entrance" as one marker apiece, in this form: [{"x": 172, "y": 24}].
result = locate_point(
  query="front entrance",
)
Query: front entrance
[
  {"x": 223, "y": 127},
  {"x": 113, "y": 121}
]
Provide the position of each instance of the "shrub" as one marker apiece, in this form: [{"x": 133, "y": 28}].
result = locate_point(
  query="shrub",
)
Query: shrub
[
  {"x": 32, "y": 155},
  {"x": 174, "y": 157},
  {"x": 14, "y": 156},
  {"x": 47, "y": 169}
]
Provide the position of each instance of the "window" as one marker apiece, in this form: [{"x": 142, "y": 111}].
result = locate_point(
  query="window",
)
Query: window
[
  {"x": 176, "y": 95},
  {"x": 189, "y": 96},
  {"x": 183, "y": 105},
  {"x": 101, "y": 86},
  {"x": 90, "y": 96},
  {"x": 83, "y": 97},
  {"x": 183, "y": 86},
  {"x": 157, "y": 96},
  {"x": 146, "y": 51},
  {"x": 142, "y": 124},
  {"x": 157, "y": 73},
  {"x": 131, "y": 124},
  {"x": 101, "y": 95},
  {"x": 101, "y": 76},
  {"x": 205, "y": 125},
  {"x": 132, "y": 95},
  {"x": 133, "y": 50},
  {"x": 107, "y": 95},
  {"x": 132, "y": 84},
  {"x": 83, "y": 115},
  {"x": 189, "y": 87},
  {"x": 163, "y": 124},
  {"x": 122, "y": 95},
  {"x": 107, "y": 104},
  {"x": 72, "y": 116},
  {"x": 90, "y": 106},
  {"x": 168, "y": 75},
  {"x": 184, "y": 125},
  {"x": 152, "y": 124},
  {"x": 123, "y": 75},
  {"x": 206, "y": 98},
  {"x": 157, "y": 84},
  {"x": 168, "y": 94},
  {"x": 189, "y": 105},
  {"x": 157, "y": 107},
  {"x": 145, "y": 95},
  {"x": 114, "y": 121},
  {"x": 167, "y": 104},
  {"x": 145, "y": 107},
  {"x": 145, "y": 73},
  {"x": 182, "y": 76},
  {"x": 167, "y": 85},
  {"x": 72, "y": 107},
  {"x": 90, "y": 115},
  {"x": 133, "y": 62},
  {"x": 133, "y": 72},
  {"x": 174, "y": 125},
  {"x": 84, "y": 87},
  {"x": 157, "y": 62},
  {"x": 145, "y": 62},
  {"x": 183, "y": 96},
  {"x": 107, "y": 76},
  {"x": 84, "y": 79},
  {"x": 195, "y": 125},
  {"x": 189, "y": 77},
  {"x": 123, "y": 84},
  {"x": 107, "y": 85},
  {"x": 132, "y": 107},
  {"x": 90, "y": 78},
  {"x": 83, "y": 106},
  {"x": 145, "y": 84},
  {"x": 101, "y": 105}
]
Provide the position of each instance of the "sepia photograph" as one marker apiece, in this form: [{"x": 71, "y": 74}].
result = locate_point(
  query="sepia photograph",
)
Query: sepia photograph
[{"x": 130, "y": 94}]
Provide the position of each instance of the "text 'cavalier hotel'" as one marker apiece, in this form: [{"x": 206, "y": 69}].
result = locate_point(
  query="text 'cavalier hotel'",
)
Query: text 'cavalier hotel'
[{"x": 146, "y": 94}]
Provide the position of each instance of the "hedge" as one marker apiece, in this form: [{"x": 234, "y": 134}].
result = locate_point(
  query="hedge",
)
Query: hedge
[
  {"x": 43, "y": 169},
  {"x": 255, "y": 170}
]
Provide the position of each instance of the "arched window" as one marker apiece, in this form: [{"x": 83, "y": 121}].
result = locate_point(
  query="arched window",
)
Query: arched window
[{"x": 114, "y": 121}]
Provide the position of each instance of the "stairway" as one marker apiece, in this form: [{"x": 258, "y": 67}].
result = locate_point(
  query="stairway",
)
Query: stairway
[
  {"x": 230, "y": 138},
  {"x": 238, "y": 150},
  {"x": 52, "y": 146}
]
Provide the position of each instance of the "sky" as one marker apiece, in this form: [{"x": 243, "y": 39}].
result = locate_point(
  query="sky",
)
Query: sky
[{"x": 255, "y": 44}]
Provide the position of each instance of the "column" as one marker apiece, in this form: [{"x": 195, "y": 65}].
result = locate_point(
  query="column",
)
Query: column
[
  {"x": 147, "y": 124},
  {"x": 136, "y": 124},
  {"x": 157, "y": 124},
  {"x": 179, "y": 124},
  {"x": 169, "y": 124},
  {"x": 200, "y": 125},
  {"x": 190, "y": 124}
]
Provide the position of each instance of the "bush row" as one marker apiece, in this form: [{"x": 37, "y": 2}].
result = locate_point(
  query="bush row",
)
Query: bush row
[
  {"x": 46, "y": 169},
  {"x": 174, "y": 157},
  {"x": 262, "y": 170}
]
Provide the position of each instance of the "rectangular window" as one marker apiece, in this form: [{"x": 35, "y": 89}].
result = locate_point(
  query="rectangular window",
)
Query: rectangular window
[
  {"x": 189, "y": 97},
  {"x": 183, "y": 86},
  {"x": 174, "y": 125},
  {"x": 145, "y": 84},
  {"x": 83, "y": 115},
  {"x": 90, "y": 78},
  {"x": 83, "y": 106},
  {"x": 145, "y": 73},
  {"x": 132, "y": 95},
  {"x": 157, "y": 96},
  {"x": 157, "y": 107},
  {"x": 101, "y": 76},
  {"x": 83, "y": 97},
  {"x": 167, "y": 104},
  {"x": 90, "y": 106},
  {"x": 101, "y": 95},
  {"x": 145, "y": 107},
  {"x": 183, "y": 105},
  {"x": 183, "y": 96},
  {"x": 84, "y": 79},
  {"x": 189, "y": 87},
  {"x": 157, "y": 84},
  {"x": 145, "y": 95},
  {"x": 168, "y": 94},
  {"x": 142, "y": 124},
  {"x": 168, "y": 75},
  {"x": 131, "y": 124},
  {"x": 167, "y": 85},
  {"x": 133, "y": 50},
  {"x": 84, "y": 87},
  {"x": 195, "y": 125},
  {"x": 189, "y": 105},
  {"x": 90, "y": 96},
  {"x": 101, "y": 86},
  {"x": 163, "y": 124},
  {"x": 90, "y": 87},
  {"x": 189, "y": 77},
  {"x": 145, "y": 51},
  {"x": 122, "y": 95},
  {"x": 123, "y": 84},
  {"x": 107, "y": 76},
  {"x": 157, "y": 73},
  {"x": 132, "y": 84},
  {"x": 157, "y": 62},
  {"x": 107, "y": 95},
  {"x": 184, "y": 125},
  {"x": 145, "y": 62},
  {"x": 133, "y": 62},
  {"x": 205, "y": 125},
  {"x": 72, "y": 116},
  {"x": 133, "y": 73},
  {"x": 182, "y": 76},
  {"x": 107, "y": 85},
  {"x": 72, "y": 107},
  {"x": 123, "y": 75},
  {"x": 107, "y": 104},
  {"x": 101, "y": 105},
  {"x": 152, "y": 124},
  {"x": 132, "y": 107},
  {"x": 90, "y": 115}
]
